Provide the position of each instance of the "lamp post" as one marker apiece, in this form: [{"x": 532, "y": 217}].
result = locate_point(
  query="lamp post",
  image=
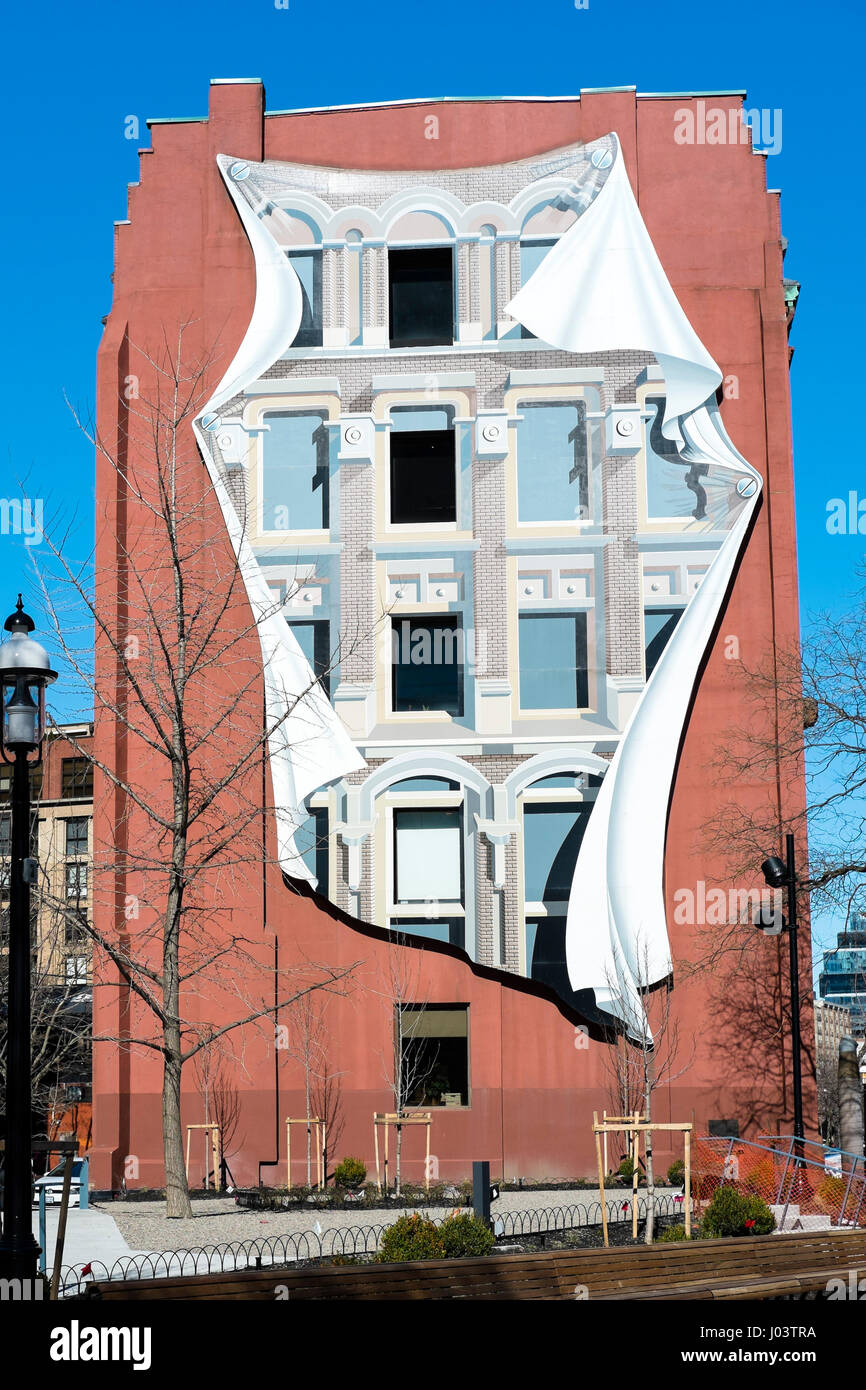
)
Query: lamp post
[
  {"x": 783, "y": 875},
  {"x": 25, "y": 671}
]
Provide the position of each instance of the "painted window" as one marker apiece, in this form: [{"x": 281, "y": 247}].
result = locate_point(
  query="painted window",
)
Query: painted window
[
  {"x": 552, "y": 833},
  {"x": 421, "y": 296},
  {"x": 427, "y": 669},
  {"x": 76, "y": 777},
  {"x": 449, "y": 929},
  {"x": 434, "y": 1060},
  {"x": 532, "y": 253},
  {"x": 428, "y": 855},
  {"x": 659, "y": 625},
  {"x": 314, "y": 640},
  {"x": 552, "y": 461},
  {"x": 553, "y": 662},
  {"x": 667, "y": 494},
  {"x": 295, "y": 472},
  {"x": 311, "y": 841},
  {"x": 425, "y": 784},
  {"x": 423, "y": 477},
  {"x": 76, "y": 835},
  {"x": 308, "y": 268},
  {"x": 545, "y": 953}
]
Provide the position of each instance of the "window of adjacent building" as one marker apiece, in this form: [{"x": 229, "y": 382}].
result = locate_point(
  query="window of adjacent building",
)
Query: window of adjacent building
[
  {"x": 6, "y": 782},
  {"x": 428, "y": 855},
  {"x": 76, "y": 835},
  {"x": 295, "y": 457},
  {"x": 553, "y": 661},
  {"x": 308, "y": 268},
  {"x": 421, "y": 296},
  {"x": 532, "y": 253},
  {"x": 74, "y": 928},
  {"x": 311, "y": 842},
  {"x": 5, "y": 837},
  {"x": 423, "y": 477},
  {"x": 76, "y": 775},
  {"x": 76, "y": 969},
  {"x": 76, "y": 880},
  {"x": 427, "y": 669},
  {"x": 552, "y": 461},
  {"x": 659, "y": 624},
  {"x": 667, "y": 493},
  {"x": 434, "y": 1060},
  {"x": 314, "y": 640}
]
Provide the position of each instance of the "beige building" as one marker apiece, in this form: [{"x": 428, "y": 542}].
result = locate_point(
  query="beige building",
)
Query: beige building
[{"x": 832, "y": 1023}]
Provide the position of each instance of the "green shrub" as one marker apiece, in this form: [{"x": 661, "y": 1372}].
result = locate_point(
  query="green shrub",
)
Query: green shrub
[
  {"x": 411, "y": 1238},
  {"x": 465, "y": 1234},
  {"x": 677, "y": 1232},
  {"x": 351, "y": 1173},
  {"x": 677, "y": 1173},
  {"x": 626, "y": 1169},
  {"x": 730, "y": 1213}
]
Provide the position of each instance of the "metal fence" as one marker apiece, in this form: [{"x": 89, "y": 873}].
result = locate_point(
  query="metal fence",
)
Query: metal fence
[
  {"x": 806, "y": 1182},
  {"x": 308, "y": 1247}
]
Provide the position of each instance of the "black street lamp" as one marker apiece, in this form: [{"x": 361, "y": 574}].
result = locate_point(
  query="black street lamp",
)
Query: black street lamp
[
  {"x": 784, "y": 875},
  {"x": 25, "y": 671}
]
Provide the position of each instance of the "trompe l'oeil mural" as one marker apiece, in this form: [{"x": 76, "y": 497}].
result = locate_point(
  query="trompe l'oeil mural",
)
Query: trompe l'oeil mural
[{"x": 469, "y": 416}]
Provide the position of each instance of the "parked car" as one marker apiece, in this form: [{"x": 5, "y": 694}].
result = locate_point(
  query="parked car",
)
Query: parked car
[{"x": 53, "y": 1184}]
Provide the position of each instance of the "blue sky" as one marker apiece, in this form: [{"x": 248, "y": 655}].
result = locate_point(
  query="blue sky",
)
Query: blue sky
[{"x": 75, "y": 73}]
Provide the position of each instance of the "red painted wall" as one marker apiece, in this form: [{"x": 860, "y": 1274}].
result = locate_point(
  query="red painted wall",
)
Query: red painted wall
[{"x": 534, "y": 1079}]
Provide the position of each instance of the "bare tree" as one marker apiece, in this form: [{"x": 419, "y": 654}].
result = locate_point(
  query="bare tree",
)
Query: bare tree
[
  {"x": 307, "y": 1042},
  {"x": 650, "y": 1051},
  {"x": 185, "y": 787}
]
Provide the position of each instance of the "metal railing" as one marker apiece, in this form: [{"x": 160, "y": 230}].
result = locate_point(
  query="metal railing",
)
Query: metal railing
[
  {"x": 309, "y": 1247},
  {"x": 785, "y": 1172}
]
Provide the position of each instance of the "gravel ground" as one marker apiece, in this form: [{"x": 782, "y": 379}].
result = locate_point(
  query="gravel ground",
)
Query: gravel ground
[{"x": 144, "y": 1227}]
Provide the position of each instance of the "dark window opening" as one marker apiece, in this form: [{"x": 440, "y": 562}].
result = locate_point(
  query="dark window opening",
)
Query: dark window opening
[
  {"x": 434, "y": 1055},
  {"x": 76, "y": 778},
  {"x": 423, "y": 477},
  {"x": 428, "y": 664},
  {"x": 421, "y": 296}
]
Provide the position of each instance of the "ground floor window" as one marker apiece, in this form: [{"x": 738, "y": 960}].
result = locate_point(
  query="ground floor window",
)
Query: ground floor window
[{"x": 433, "y": 1042}]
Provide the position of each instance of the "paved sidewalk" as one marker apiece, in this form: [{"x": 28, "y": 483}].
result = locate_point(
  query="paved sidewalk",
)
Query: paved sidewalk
[{"x": 91, "y": 1235}]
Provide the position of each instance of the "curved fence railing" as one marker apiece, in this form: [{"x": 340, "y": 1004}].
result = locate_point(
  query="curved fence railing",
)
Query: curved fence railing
[{"x": 345, "y": 1241}]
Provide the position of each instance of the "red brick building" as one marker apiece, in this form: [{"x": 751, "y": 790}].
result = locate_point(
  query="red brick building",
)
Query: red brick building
[{"x": 532, "y": 1063}]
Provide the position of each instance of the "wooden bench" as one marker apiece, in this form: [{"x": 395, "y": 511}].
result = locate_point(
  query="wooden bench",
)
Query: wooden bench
[{"x": 749, "y": 1267}]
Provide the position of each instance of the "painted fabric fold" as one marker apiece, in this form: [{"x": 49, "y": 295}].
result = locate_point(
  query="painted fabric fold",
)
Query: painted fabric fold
[
  {"x": 602, "y": 286},
  {"x": 308, "y": 746}
]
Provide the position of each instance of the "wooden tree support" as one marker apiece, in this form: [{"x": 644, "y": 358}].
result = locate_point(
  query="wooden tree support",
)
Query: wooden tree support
[
  {"x": 381, "y": 1118},
  {"x": 321, "y": 1140},
  {"x": 634, "y": 1127},
  {"x": 214, "y": 1130}
]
